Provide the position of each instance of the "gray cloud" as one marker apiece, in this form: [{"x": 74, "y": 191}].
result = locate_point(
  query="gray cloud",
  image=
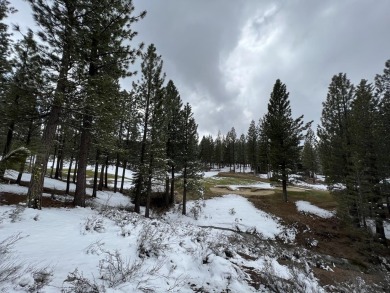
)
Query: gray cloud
[{"x": 225, "y": 55}]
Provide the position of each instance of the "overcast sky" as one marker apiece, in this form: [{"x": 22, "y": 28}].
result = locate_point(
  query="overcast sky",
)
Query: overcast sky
[{"x": 225, "y": 55}]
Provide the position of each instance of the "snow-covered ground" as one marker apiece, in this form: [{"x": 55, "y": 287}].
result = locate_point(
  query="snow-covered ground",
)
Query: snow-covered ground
[
  {"x": 60, "y": 185},
  {"x": 307, "y": 207},
  {"x": 118, "y": 251},
  {"x": 105, "y": 249},
  {"x": 233, "y": 212},
  {"x": 257, "y": 185}
]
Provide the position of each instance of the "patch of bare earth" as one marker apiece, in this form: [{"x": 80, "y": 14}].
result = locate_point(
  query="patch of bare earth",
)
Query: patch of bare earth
[
  {"x": 7, "y": 198},
  {"x": 352, "y": 253}
]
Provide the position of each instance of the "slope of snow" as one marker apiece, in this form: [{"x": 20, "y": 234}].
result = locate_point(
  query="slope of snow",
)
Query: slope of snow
[
  {"x": 124, "y": 252},
  {"x": 307, "y": 207},
  {"x": 233, "y": 212}
]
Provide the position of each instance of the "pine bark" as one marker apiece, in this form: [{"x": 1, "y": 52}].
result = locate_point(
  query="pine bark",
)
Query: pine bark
[
  {"x": 123, "y": 176},
  {"x": 34, "y": 194},
  {"x": 95, "y": 174},
  {"x": 68, "y": 175}
]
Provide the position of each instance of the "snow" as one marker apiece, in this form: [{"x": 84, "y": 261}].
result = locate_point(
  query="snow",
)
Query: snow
[
  {"x": 387, "y": 229},
  {"x": 12, "y": 188},
  {"x": 170, "y": 254},
  {"x": 48, "y": 183},
  {"x": 233, "y": 212},
  {"x": 311, "y": 186},
  {"x": 259, "y": 185},
  {"x": 307, "y": 207},
  {"x": 61, "y": 185},
  {"x": 296, "y": 180},
  {"x": 111, "y": 199},
  {"x": 209, "y": 174},
  {"x": 120, "y": 251},
  {"x": 386, "y": 225}
]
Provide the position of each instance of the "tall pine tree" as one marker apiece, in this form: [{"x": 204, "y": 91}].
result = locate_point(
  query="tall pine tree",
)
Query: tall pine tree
[
  {"x": 191, "y": 165},
  {"x": 252, "y": 146},
  {"x": 148, "y": 93},
  {"x": 283, "y": 132}
]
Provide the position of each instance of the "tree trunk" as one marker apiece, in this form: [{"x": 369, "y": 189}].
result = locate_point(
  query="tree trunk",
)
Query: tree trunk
[
  {"x": 101, "y": 183},
  {"x": 10, "y": 135},
  {"x": 34, "y": 194},
  {"x": 167, "y": 191},
  {"x": 54, "y": 161},
  {"x": 106, "y": 174},
  {"x": 172, "y": 197},
  {"x": 116, "y": 172},
  {"x": 85, "y": 139},
  {"x": 21, "y": 170},
  {"x": 60, "y": 160},
  {"x": 68, "y": 176},
  {"x": 76, "y": 166},
  {"x": 185, "y": 191},
  {"x": 28, "y": 140},
  {"x": 30, "y": 165},
  {"x": 7, "y": 146},
  {"x": 123, "y": 176},
  {"x": 139, "y": 180},
  {"x": 149, "y": 187},
  {"x": 148, "y": 194},
  {"x": 95, "y": 174},
  {"x": 284, "y": 182}
]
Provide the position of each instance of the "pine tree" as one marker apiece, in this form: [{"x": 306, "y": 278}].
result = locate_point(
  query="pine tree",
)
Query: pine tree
[
  {"x": 283, "y": 132},
  {"x": 263, "y": 148},
  {"x": 310, "y": 155},
  {"x": 231, "y": 141},
  {"x": 364, "y": 157},
  {"x": 252, "y": 146},
  {"x": 148, "y": 92},
  {"x": 334, "y": 131},
  {"x": 191, "y": 166},
  {"x": 20, "y": 103},
  {"x": 335, "y": 145},
  {"x": 5, "y": 65},
  {"x": 105, "y": 60},
  {"x": 382, "y": 92},
  {"x": 131, "y": 136},
  {"x": 242, "y": 152},
  {"x": 174, "y": 136},
  {"x": 58, "y": 22},
  {"x": 218, "y": 150},
  {"x": 206, "y": 151}
]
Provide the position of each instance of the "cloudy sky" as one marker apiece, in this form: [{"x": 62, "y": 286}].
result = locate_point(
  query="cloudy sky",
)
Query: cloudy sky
[{"x": 225, "y": 55}]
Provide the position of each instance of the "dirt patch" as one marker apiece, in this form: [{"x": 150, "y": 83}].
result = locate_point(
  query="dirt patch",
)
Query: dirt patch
[
  {"x": 355, "y": 251},
  {"x": 53, "y": 202}
]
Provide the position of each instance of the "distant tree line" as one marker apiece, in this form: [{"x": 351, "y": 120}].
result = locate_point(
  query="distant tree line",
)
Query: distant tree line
[{"x": 61, "y": 99}]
